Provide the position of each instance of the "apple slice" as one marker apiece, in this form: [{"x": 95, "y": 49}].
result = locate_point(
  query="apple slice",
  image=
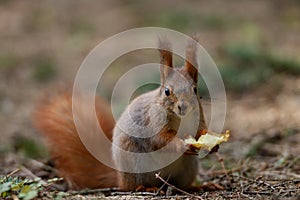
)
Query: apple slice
[{"x": 208, "y": 140}]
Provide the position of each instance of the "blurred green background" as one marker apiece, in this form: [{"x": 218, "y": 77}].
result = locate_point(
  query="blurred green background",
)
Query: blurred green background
[{"x": 255, "y": 44}]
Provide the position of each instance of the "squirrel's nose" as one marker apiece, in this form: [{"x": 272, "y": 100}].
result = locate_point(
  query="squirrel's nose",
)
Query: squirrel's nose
[{"x": 182, "y": 106}]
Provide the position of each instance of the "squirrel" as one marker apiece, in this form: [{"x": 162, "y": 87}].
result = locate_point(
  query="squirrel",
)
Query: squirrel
[{"x": 149, "y": 123}]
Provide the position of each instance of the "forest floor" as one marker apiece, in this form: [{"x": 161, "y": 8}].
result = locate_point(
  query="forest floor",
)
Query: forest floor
[{"x": 255, "y": 44}]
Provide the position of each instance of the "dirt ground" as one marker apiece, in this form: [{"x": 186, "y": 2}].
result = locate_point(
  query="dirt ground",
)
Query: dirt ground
[{"x": 44, "y": 42}]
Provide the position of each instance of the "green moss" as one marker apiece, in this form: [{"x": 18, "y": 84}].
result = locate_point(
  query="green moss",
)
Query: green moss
[
  {"x": 29, "y": 147},
  {"x": 248, "y": 66},
  {"x": 240, "y": 79},
  {"x": 44, "y": 70},
  {"x": 215, "y": 21},
  {"x": 242, "y": 53},
  {"x": 283, "y": 65}
]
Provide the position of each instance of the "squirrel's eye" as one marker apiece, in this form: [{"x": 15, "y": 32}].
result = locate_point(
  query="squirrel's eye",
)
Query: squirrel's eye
[
  {"x": 167, "y": 91},
  {"x": 195, "y": 90}
]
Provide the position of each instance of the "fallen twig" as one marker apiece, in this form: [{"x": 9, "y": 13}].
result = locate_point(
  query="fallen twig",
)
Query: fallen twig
[
  {"x": 172, "y": 186},
  {"x": 11, "y": 173},
  {"x": 221, "y": 160},
  {"x": 257, "y": 192},
  {"x": 287, "y": 182},
  {"x": 33, "y": 176},
  {"x": 257, "y": 181},
  {"x": 221, "y": 172},
  {"x": 133, "y": 193},
  {"x": 280, "y": 174}
]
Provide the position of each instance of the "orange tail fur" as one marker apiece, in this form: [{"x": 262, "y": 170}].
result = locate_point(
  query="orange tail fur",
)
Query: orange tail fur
[{"x": 54, "y": 119}]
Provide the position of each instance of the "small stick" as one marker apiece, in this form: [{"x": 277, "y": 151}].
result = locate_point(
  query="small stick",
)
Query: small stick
[
  {"x": 281, "y": 174},
  {"x": 287, "y": 182},
  {"x": 33, "y": 176},
  {"x": 131, "y": 193},
  {"x": 221, "y": 172},
  {"x": 163, "y": 185},
  {"x": 257, "y": 192},
  {"x": 11, "y": 173},
  {"x": 172, "y": 186},
  {"x": 221, "y": 160},
  {"x": 258, "y": 181}
]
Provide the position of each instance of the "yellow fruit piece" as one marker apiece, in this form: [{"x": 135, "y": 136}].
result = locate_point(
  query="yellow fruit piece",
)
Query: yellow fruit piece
[{"x": 209, "y": 140}]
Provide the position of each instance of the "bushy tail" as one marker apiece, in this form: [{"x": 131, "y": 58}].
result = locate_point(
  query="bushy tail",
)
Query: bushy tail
[{"x": 54, "y": 119}]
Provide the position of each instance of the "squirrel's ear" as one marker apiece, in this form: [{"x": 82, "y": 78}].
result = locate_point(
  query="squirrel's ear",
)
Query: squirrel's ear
[
  {"x": 166, "y": 63},
  {"x": 191, "y": 65}
]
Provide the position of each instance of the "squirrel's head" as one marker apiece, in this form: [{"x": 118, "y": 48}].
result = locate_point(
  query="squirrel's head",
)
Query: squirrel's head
[{"x": 178, "y": 89}]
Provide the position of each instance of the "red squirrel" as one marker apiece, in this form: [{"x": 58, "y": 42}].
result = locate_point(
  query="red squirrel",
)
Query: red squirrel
[{"x": 177, "y": 96}]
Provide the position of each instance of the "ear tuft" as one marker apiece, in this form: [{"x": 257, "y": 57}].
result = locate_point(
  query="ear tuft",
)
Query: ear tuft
[
  {"x": 166, "y": 62},
  {"x": 191, "y": 65},
  {"x": 165, "y": 52}
]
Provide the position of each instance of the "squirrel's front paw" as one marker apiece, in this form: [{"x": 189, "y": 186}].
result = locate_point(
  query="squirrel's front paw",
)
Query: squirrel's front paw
[{"x": 180, "y": 146}]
